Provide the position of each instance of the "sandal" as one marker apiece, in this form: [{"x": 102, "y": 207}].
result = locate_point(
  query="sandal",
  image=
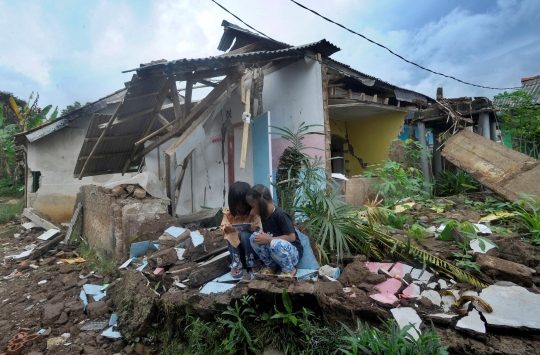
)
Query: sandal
[
  {"x": 256, "y": 269},
  {"x": 237, "y": 273},
  {"x": 268, "y": 271},
  {"x": 288, "y": 274}
]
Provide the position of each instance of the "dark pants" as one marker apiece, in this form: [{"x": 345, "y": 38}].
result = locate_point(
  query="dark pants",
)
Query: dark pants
[{"x": 243, "y": 253}]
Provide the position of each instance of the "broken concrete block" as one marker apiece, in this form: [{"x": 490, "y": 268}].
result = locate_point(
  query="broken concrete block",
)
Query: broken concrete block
[
  {"x": 405, "y": 316},
  {"x": 139, "y": 193},
  {"x": 442, "y": 318},
  {"x": 163, "y": 258},
  {"x": 504, "y": 171},
  {"x": 97, "y": 309},
  {"x": 51, "y": 312},
  {"x": 118, "y": 191},
  {"x": 168, "y": 241},
  {"x": 130, "y": 189},
  {"x": 472, "y": 322},
  {"x": 505, "y": 270},
  {"x": 513, "y": 307},
  {"x": 31, "y": 215}
]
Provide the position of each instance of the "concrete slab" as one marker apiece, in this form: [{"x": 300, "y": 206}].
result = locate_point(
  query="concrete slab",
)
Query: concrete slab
[
  {"x": 29, "y": 213},
  {"x": 513, "y": 307},
  {"x": 502, "y": 170},
  {"x": 433, "y": 296},
  {"x": 405, "y": 316},
  {"x": 472, "y": 322}
]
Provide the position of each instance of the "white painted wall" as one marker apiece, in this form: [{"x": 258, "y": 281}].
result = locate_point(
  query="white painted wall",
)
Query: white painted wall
[
  {"x": 55, "y": 156},
  {"x": 292, "y": 95}
]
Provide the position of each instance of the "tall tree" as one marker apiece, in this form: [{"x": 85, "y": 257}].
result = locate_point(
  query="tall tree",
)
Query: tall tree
[{"x": 75, "y": 106}]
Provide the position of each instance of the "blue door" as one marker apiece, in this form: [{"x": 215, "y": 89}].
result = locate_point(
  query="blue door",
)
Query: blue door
[{"x": 262, "y": 151}]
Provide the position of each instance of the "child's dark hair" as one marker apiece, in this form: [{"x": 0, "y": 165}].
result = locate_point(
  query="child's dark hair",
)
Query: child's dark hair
[
  {"x": 261, "y": 195},
  {"x": 237, "y": 194}
]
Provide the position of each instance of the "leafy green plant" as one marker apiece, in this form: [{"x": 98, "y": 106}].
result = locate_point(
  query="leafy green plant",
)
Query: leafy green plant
[
  {"x": 450, "y": 184},
  {"x": 397, "y": 182},
  {"x": 239, "y": 335},
  {"x": 527, "y": 210},
  {"x": 10, "y": 212},
  {"x": 389, "y": 341},
  {"x": 521, "y": 117},
  {"x": 97, "y": 259},
  {"x": 417, "y": 232}
]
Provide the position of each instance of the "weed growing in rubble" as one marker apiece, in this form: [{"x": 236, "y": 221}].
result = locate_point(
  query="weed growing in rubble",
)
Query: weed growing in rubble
[
  {"x": 527, "y": 210},
  {"x": 450, "y": 184},
  {"x": 397, "y": 182},
  {"x": 10, "y": 212},
  {"x": 239, "y": 334},
  {"x": 392, "y": 340},
  {"x": 97, "y": 259}
]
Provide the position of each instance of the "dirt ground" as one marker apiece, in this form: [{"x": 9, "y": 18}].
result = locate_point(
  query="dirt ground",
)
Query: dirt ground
[{"x": 43, "y": 294}]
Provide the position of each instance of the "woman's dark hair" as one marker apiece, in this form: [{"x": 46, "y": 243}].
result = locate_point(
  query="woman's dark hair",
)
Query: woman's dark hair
[
  {"x": 237, "y": 194},
  {"x": 262, "y": 197}
]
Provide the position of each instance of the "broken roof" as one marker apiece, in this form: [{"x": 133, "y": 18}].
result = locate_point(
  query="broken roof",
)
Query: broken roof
[
  {"x": 243, "y": 37},
  {"x": 45, "y": 129},
  {"x": 531, "y": 85}
]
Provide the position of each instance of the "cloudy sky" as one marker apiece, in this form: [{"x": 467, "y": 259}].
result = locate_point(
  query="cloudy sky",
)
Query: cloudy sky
[{"x": 75, "y": 50}]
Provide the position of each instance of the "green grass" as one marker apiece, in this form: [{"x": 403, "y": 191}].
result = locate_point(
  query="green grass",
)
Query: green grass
[
  {"x": 10, "y": 212},
  {"x": 97, "y": 260},
  {"x": 9, "y": 188}
]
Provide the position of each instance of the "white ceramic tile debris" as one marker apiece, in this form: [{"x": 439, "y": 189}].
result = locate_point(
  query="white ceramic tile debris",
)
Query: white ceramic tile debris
[
  {"x": 433, "y": 296},
  {"x": 432, "y": 285},
  {"x": 482, "y": 228},
  {"x": 443, "y": 285},
  {"x": 513, "y": 306},
  {"x": 475, "y": 246},
  {"x": 448, "y": 301},
  {"x": 472, "y": 321},
  {"x": 423, "y": 277},
  {"x": 443, "y": 316},
  {"x": 405, "y": 316}
]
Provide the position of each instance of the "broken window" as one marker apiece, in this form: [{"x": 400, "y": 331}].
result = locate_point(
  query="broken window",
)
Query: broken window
[
  {"x": 337, "y": 154},
  {"x": 35, "y": 180}
]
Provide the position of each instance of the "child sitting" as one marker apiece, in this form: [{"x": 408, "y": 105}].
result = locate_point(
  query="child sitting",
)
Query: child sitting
[
  {"x": 239, "y": 212},
  {"x": 278, "y": 244}
]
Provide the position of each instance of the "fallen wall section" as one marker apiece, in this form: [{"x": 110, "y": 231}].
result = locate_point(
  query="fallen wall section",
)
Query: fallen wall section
[
  {"x": 111, "y": 223},
  {"x": 503, "y": 170}
]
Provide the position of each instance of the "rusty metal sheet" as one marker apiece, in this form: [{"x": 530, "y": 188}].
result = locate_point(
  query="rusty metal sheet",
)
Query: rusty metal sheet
[{"x": 502, "y": 170}]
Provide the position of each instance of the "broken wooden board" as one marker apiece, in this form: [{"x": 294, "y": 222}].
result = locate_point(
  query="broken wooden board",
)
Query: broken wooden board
[
  {"x": 209, "y": 270},
  {"x": 502, "y": 170},
  {"x": 29, "y": 213},
  {"x": 74, "y": 220}
]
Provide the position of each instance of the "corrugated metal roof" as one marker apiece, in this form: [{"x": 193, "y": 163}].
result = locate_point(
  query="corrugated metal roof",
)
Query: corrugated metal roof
[
  {"x": 530, "y": 85},
  {"x": 184, "y": 65},
  {"x": 47, "y": 128},
  {"x": 230, "y": 31}
]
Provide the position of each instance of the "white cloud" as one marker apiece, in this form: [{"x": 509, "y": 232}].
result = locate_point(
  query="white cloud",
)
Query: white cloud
[{"x": 29, "y": 41}]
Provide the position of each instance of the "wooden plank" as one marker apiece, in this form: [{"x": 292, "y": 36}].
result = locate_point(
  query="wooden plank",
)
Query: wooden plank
[
  {"x": 326, "y": 114},
  {"x": 206, "y": 106},
  {"x": 369, "y": 104},
  {"x": 245, "y": 135},
  {"x": 29, "y": 213},
  {"x": 253, "y": 47},
  {"x": 180, "y": 178},
  {"x": 142, "y": 96},
  {"x": 203, "y": 74},
  {"x": 168, "y": 183},
  {"x": 107, "y": 127},
  {"x": 209, "y": 270},
  {"x": 100, "y": 156},
  {"x": 178, "y": 113},
  {"x": 172, "y": 149},
  {"x": 187, "y": 97},
  {"x": 155, "y": 133},
  {"x": 73, "y": 222},
  {"x": 161, "y": 98},
  {"x": 108, "y": 138},
  {"x": 207, "y": 83},
  {"x": 163, "y": 120}
]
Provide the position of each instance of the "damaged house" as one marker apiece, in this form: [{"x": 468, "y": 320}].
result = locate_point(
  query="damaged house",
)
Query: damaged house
[{"x": 194, "y": 151}]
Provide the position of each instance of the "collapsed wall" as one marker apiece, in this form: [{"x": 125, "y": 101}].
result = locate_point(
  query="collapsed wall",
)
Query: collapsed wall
[{"x": 115, "y": 218}]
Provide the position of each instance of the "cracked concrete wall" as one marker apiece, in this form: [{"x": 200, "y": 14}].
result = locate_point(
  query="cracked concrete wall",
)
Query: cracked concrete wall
[{"x": 369, "y": 139}]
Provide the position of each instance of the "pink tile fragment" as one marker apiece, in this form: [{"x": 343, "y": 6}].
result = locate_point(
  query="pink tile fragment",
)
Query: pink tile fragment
[
  {"x": 389, "y": 286},
  {"x": 158, "y": 270},
  {"x": 410, "y": 290},
  {"x": 387, "y": 298}
]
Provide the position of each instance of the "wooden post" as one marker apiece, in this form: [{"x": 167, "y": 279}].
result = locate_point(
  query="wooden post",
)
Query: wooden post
[
  {"x": 178, "y": 114},
  {"x": 245, "y": 135},
  {"x": 327, "y": 130},
  {"x": 230, "y": 154}
]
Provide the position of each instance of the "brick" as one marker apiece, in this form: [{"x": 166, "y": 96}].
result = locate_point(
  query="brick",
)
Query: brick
[
  {"x": 97, "y": 309},
  {"x": 139, "y": 193}
]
